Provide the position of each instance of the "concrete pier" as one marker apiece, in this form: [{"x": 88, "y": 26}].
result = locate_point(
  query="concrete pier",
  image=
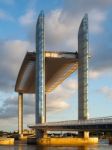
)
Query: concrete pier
[
  {"x": 6, "y": 141},
  {"x": 20, "y": 114},
  {"x": 64, "y": 141}
]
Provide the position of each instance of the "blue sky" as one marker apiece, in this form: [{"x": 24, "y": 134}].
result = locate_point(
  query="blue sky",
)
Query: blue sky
[{"x": 62, "y": 20}]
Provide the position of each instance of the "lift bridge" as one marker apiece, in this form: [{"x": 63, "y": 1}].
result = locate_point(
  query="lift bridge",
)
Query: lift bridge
[{"x": 42, "y": 71}]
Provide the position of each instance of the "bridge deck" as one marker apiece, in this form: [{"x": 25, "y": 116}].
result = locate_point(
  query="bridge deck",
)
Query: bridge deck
[{"x": 100, "y": 124}]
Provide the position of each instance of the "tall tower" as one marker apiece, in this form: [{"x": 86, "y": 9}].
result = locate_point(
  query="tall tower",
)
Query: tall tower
[
  {"x": 40, "y": 70},
  {"x": 83, "y": 69}
]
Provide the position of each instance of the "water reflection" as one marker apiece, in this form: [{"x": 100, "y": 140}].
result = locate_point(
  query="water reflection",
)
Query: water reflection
[
  {"x": 33, "y": 147},
  {"x": 90, "y": 147},
  {"x": 21, "y": 146},
  {"x": 83, "y": 148}
]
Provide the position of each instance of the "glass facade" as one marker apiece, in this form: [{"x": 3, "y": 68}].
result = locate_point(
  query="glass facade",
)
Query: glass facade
[
  {"x": 40, "y": 70},
  {"x": 83, "y": 69}
]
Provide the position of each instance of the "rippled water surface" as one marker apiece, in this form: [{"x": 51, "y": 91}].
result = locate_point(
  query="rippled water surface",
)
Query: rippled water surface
[{"x": 33, "y": 147}]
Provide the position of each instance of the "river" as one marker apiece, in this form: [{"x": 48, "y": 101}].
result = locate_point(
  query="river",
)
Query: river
[{"x": 33, "y": 147}]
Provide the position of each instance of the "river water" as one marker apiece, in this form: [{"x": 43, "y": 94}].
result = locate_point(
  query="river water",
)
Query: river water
[{"x": 33, "y": 147}]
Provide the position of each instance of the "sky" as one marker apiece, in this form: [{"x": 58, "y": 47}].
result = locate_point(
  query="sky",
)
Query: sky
[{"x": 62, "y": 20}]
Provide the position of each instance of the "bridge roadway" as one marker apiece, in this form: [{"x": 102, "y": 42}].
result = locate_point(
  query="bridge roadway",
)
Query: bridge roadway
[{"x": 94, "y": 124}]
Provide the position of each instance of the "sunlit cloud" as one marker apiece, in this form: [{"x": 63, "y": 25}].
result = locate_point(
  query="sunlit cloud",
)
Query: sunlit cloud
[
  {"x": 94, "y": 74},
  {"x": 28, "y": 18},
  {"x": 106, "y": 91},
  {"x": 96, "y": 19},
  {"x": 58, "y": 100}
]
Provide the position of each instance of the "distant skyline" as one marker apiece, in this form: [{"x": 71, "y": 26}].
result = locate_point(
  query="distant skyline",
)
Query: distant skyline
[{"x": 62, "y": 20}]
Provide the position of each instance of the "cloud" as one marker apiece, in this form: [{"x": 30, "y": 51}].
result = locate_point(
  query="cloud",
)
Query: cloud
[
  {"x": 28, "y": 18},
  {"x": 96, "y": 20},
  {"x": 61, "y": 26},
  {"x": 10, "y": 105},
  {"x": 101, "y": 61},
  {"x": 28, "y": 22},
  {"x": 57, "y": 106},
  {"x": 9, "y": 124},
  {"x": 60, "y": 35},
  {"x": 94, "y": 74},
  {"x": 106, "y": 91},
  {"x": 9, "y": 109},
  {"x": 99, "y": 28},
  {"x": 73, "y": 6},
  {"x": 12, "y": 54},
  {"x": 5, "y": 16},
  {"x": 58, "y": 100},
  {"x": 61, "y": 29}
]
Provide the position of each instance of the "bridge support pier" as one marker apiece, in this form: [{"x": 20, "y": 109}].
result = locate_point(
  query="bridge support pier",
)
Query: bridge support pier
[
  {"x": 39, "y": 134},
  {"x": 86, "y": 134},
  {"x": 20, "y": 114},
  {"x": 45, "y": 108}
]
